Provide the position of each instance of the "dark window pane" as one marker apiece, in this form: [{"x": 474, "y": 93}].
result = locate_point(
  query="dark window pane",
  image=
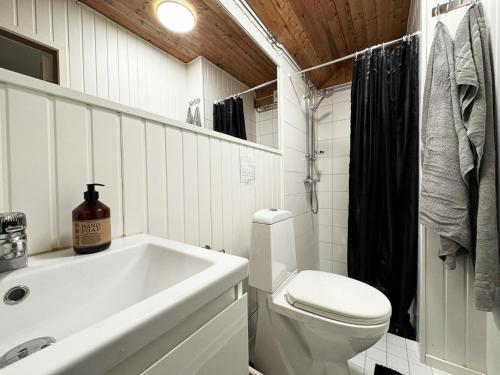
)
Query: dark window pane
[{"x": 27, "y": 57}]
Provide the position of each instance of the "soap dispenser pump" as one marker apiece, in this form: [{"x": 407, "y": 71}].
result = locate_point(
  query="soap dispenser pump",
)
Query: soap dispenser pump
[{"x": 91, "y": 223}]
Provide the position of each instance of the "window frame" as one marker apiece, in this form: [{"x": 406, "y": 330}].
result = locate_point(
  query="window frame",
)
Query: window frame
[{"x": 38, "y": 46}]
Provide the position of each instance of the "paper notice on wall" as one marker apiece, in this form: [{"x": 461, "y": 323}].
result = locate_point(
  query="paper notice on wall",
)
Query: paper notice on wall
[{"x": 247, "y": 166}]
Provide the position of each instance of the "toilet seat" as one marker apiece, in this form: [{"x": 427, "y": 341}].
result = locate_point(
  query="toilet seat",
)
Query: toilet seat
[{"x": 338, "y": 298}]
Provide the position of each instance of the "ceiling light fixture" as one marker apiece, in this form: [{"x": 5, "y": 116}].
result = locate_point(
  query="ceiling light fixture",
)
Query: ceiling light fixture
[{"x": 175, "y": 16}]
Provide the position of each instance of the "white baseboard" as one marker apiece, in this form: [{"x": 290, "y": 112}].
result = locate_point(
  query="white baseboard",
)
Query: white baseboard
[{"x": 450, "y": 367}]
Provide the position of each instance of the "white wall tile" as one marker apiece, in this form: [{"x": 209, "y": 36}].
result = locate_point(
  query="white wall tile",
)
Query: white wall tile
[
  {"x": 325, "y": 250},
  {"x": 333, "y": 117},
  {"x": 340, "y": 268}
]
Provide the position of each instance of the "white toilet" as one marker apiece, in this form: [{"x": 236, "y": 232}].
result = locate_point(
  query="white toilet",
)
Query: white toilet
[{"x": 308, "y": 322}]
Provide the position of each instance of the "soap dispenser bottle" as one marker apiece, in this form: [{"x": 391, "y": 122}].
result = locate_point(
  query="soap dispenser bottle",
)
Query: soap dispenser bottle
[{"x": 91, "y": 223}]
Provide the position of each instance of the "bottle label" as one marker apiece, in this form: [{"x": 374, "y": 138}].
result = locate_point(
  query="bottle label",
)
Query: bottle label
[{"x": 88, "y": 233}]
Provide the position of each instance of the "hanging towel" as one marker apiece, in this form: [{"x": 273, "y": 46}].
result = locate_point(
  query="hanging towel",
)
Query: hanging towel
[
  {"x": 189, "y": 118},
  {"x": 474, "y": 74},
  {"x": 444, "y": 196}
]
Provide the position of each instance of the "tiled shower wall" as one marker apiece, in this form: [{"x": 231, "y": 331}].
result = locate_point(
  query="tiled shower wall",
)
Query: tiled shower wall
[
  {"x": 267, "y": 128},
  {"x": 332, "y": 134}
]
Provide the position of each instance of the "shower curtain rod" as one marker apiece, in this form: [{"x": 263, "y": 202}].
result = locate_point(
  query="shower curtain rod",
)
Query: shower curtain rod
[
  {"x": 352, "y": 55},
  {"x": 249, "y": 90}
]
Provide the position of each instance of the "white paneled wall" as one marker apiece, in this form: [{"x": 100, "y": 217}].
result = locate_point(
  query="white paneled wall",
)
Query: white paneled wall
[
  {"x": 161, "y": 177},
  {"x": 333, "y": 138},
  {"x": 100, "y": 58},
  {"x": 267, "y": 128},
  {"x": 218, "y": 85},
  {"x": 453, "y": 337},
  {"x": 291, "y": 91}
]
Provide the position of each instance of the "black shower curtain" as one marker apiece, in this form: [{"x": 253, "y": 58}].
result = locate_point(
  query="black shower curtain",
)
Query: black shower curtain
[
  {"x": 229, "y": 118},
  {"x": 383, "y": 181}
]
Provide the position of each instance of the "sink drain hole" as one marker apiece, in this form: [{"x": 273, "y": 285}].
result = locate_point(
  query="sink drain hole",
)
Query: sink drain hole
[
  {"x": 25, "y": 349},
  {"x": 16, "y": 295}
]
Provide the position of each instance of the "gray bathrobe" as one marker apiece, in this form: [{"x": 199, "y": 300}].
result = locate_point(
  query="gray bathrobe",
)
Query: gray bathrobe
[
  {"x": 446, "y": 154},
  {"x": 475, "y": 82}
]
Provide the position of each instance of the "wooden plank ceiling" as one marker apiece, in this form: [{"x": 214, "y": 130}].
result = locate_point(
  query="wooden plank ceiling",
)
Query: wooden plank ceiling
[
  {"x": 216, "y": 36},
  {"x": 313, "y": 31},
  {"x": 317, "y": 31}
]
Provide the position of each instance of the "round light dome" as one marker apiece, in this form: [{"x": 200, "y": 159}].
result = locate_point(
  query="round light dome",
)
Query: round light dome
[{"x": 175, "y": 16}]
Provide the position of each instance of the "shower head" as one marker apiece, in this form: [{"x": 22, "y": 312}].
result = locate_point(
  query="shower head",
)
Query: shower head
[
  {"x": 326, "y": 93},
  {"x": 323, "y": 94}
]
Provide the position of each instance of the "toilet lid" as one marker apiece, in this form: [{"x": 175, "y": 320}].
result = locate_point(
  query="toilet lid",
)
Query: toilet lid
[{"x": 338, "y": 297}]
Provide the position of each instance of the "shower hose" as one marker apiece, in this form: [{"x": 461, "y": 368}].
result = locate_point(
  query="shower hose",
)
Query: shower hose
[{"x": 314, "y": 198}]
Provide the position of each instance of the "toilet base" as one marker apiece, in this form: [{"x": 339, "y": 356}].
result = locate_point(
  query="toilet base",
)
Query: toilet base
[{"x": 287, "y": 346}]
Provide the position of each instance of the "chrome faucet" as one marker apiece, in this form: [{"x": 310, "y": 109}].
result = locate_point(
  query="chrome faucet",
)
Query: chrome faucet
[{"x": 13, "y": 241}]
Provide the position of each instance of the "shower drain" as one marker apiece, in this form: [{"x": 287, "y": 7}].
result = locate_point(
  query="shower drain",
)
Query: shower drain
[{"x": 25, "y": 349}]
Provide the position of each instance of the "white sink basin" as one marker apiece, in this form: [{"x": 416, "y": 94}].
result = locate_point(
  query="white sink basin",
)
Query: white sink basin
[{"x": 103, "y": 307}]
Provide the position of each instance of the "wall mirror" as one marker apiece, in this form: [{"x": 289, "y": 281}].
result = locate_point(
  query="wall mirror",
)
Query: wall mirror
[{"x": 229, "y": 83}]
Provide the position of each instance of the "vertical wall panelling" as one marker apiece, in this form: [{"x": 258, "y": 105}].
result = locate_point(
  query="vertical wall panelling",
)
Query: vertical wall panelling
[
  {"x": 227, "y": 194},
  {"x": 434, "y": 304},
  {"x": 107, "y": 165},
  {"x": 190, "y": 159},
  {"x": 247, "y": 204},
  {"x": 216, "y": 192},
  {"x": 8, "y": 15},
  {"x": 89, "y": 52},
  {"x": 33, "y": 163},
  {"x": 123, "y": 73},
  {"x": 75, "y": 51},
  {"x": 132, "y": 70},
  {"x": 26, "y": 15},
  {"x": 60, "y": 35},
  {"x": 156, "y": 179},
  {"x": 237, "y": 199},
  {"x": 175, "y": 184},
  {"x": 101, "y": 56},
  {"x": 134, "y": 175},
  {"x": 43, "y": 12},
  {"x": 204, "y": 191},
  {"x": 142, "y": 73},
  {"x": 165, "y": 180},
  {"x": 113, "y": 76},
  {"x": 72, "y": 133}
]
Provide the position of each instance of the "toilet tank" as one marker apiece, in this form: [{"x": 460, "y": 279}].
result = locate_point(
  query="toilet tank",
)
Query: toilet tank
[{"x": 272, "y": 251}]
